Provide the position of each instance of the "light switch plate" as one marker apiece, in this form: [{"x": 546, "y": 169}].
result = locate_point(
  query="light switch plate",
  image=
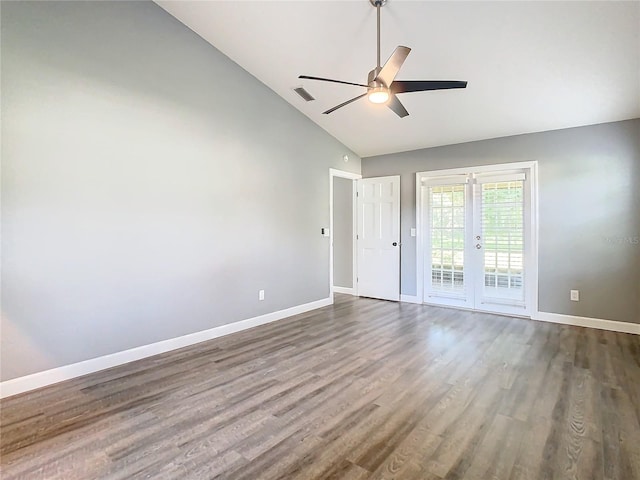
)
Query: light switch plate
[{"x": 413, "y": 232}]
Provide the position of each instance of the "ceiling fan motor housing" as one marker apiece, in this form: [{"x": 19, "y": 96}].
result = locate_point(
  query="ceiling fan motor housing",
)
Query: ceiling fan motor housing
[{"x": 371, "y": 78}]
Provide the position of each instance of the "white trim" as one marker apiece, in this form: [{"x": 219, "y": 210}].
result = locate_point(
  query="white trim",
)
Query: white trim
[
  {"x": 587, "y": 322},
  {"x": 410, "y": 299},
  {"x": 345, "y": 290},
  {"x": 479, "y": 169},
  {"x": 350, "y": 176},
  {"x": 611, "y": 325},
  {"x": 343, "y": 174},
  {"x": 354, "y": 236},
  {"x": 331, "y": 288},
  {"x": 534, "y": 237},
  {"x": 419, "y": 241},
  {"x": 67, "y": 372}
]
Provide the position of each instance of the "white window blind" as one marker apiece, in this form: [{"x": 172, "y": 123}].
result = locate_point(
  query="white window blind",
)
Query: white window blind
[
  {"x": 502, "y": 224},
  {"x": 447, "y": 222}
]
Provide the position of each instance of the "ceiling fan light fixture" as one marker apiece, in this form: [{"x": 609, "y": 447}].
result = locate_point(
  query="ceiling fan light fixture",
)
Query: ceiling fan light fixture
[{"x": 378, "y": 95}]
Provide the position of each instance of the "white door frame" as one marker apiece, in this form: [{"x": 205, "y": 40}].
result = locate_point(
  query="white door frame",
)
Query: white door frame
[
  {"x": 354, "y": 267},
  {"x": 531, "y": 267}
]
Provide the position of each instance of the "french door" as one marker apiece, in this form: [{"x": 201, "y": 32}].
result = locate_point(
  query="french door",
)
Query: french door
[{"x": 478, "y": 239}]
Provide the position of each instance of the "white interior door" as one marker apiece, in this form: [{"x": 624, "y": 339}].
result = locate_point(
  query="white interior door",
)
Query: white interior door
[
  {"x": 478, "y": 240},
  {"x": 378, "y": 238}
]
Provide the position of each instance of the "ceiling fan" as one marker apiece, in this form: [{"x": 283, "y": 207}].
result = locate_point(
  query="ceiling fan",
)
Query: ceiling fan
[{"x": 381, "y": 84}]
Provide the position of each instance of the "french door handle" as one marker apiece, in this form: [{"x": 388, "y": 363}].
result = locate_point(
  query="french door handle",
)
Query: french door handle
[
  {"x": 478, "y": 246},
  {"x": 477, "y": 237}
]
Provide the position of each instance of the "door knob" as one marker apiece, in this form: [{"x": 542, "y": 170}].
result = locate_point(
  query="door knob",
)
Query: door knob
[
  {"x": 395, "y": 244},
  {"x": 478, "y": 246}
]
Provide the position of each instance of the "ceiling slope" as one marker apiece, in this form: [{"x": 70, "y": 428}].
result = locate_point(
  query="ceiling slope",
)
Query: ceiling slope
[{"x": 531, "y": 66}]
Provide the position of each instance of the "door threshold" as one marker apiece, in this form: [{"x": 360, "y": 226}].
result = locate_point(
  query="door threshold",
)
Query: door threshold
[{"x": 467, "y": 309}]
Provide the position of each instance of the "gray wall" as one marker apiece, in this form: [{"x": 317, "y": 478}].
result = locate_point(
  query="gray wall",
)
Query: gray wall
[
  {"x": 150, "y": 186},
  {"x": 342, "y": 232},
  {"x": 589, "y": 211}
]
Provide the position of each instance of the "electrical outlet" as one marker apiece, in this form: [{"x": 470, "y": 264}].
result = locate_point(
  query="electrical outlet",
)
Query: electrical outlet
[
  {"x": 575, "y": 295},
  {"x": 413, "y": 232},
  {"x": 261, "y": 295}
]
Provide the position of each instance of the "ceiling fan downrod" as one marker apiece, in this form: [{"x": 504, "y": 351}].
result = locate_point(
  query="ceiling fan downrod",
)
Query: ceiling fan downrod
[{"x": 377, "y": 4}]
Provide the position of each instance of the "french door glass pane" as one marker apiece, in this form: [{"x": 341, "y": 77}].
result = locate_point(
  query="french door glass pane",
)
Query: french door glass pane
[
  {"x": 502, "y": 215},
  {"x": 447, "y": 218}
]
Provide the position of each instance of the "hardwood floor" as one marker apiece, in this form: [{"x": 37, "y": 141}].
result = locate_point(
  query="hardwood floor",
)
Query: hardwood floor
[{"x": 363, "y": 389}]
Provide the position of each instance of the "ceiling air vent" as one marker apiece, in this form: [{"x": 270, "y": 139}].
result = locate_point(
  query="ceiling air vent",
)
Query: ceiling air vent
[{"x": 306, "y": 96}]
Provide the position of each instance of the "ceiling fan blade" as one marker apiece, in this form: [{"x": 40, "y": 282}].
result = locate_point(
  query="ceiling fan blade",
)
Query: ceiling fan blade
[
  {"x": 406, "y": 86},
  {"x": 345, "y": 103},
  {"x": 391, "y": 68},
  {"x": 396, "y": 105},
  {"x": 333, "y": 81}
]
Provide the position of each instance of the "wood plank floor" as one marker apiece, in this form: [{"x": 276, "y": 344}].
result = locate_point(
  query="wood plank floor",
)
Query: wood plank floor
[{"x": 363, "y": 389}]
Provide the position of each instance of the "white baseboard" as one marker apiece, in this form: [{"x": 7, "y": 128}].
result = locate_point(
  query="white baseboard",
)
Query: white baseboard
[
  {"x": 410, "y": 299},
  {"x": 67, "y": 372},
  {"x": 345, "y": 290},
  {"x": 612, "y": 325}
]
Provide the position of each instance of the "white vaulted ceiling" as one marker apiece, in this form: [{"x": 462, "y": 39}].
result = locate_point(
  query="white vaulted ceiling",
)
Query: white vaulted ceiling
[{"x": 531, "y": 66}]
